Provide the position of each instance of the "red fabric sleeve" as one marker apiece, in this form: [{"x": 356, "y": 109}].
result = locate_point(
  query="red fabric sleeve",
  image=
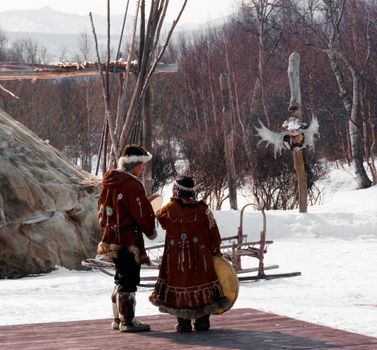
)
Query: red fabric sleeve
[{"x": 141, "y": 210}]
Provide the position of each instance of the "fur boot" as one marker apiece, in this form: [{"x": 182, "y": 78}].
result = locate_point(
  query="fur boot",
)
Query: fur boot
[
  {"x": 184, "y": 325},
  {"x": 116, "y": 321},
  {"x": 202, "y": 323},
  {"x": 126, "y": 307}
]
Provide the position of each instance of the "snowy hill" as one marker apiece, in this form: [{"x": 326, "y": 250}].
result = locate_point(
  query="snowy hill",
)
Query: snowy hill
[
  {"x": 60, "y": 32},
  {"x": 47, "y": 20},
  {"x": 333, "y": 246}
]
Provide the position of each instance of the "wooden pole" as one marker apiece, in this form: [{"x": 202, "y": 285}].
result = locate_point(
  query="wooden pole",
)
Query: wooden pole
[
  {"x": 294, "y": 82},
  {"x": 228, "y": 140},
  {"x": 295, "y": 110},
  {"x": 298, "y": 161},
  {"x": 147, "y": 139}
]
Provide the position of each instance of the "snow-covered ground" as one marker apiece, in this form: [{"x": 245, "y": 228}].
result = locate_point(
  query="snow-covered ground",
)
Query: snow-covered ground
[{"x": 333, "y": 245}]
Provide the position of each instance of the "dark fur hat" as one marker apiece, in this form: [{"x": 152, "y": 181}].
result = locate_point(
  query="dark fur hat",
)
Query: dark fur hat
[{"x": 185, "y": 186}]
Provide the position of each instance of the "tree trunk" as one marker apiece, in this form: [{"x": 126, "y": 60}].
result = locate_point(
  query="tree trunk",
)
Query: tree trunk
[
  {"x": 104, "y": 147},
  {"x": 147, "y": 139},
  {"x": 355, "y": 127},
  {"x": 351, "y": 107},
  {"x": 373, "y": 144},
  {"x": 228, "y": 140},
  {"x": 261, "y": 71},
  {"x": 356, "y": 139}
]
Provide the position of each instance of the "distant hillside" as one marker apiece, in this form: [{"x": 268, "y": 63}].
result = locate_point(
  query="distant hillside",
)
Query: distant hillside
[
  {"x": 47, "y": 20},
  {"x": 63, "y": 46},
  {"x": 60, "y": 32}
]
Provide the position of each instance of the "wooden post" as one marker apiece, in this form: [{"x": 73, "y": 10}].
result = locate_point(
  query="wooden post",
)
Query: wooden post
[
  {"x": 228, "y": 140},
  {"x": 295, "y": 110},
  {"x": 298, "y": 161},
  {"x": 294, "y": 82}
]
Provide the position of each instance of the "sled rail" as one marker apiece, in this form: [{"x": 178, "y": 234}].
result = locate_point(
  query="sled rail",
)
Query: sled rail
[{"x": 255, "y": 249}]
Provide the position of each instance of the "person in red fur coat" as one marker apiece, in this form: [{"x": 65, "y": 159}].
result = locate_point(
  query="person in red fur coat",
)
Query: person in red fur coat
[
  {"x": 187, "y": 286},
  {"x": 125, "y": 213}
]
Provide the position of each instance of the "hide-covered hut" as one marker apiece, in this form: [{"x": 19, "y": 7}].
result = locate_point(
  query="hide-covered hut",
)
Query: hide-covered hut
[{"x": 48, "y": 206}]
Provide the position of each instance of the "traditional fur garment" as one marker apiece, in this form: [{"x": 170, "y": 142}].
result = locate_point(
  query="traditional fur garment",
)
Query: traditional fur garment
[
  {"x": 187, "y": 286},
  {"x": 124, "y": 213}
]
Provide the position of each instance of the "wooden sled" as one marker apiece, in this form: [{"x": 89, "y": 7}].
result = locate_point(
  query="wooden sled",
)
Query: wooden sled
[
  {"x": 256, "y": 249},
  {"x": 233, "y": 248}
]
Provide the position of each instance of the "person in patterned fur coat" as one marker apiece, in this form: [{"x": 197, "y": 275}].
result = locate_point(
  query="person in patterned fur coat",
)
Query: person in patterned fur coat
[
  {"x": 125, "y": 214},
  {"x": 187, "y": 286}
]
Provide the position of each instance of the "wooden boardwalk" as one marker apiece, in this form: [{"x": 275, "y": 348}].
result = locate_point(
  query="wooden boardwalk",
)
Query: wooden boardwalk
[{"x": 236, "y": 329}]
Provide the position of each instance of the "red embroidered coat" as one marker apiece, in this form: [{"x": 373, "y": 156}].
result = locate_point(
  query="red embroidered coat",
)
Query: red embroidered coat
[
  {"x": 124, "y": 213},
  {"x": 187, "y": 285}
]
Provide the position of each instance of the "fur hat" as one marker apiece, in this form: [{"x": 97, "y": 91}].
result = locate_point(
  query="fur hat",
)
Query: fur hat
[
  {"x": 185, "y": 186},
  {"x": 134, "y": 154},
  {"x": 185, "y": 183}
]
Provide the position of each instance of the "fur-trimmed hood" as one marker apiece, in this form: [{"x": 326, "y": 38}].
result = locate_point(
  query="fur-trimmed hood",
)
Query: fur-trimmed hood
[{"x": 117, "y": 177}]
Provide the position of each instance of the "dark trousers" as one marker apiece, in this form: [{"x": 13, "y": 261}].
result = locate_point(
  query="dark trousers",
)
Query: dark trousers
[{"x": 127, "y": 272}]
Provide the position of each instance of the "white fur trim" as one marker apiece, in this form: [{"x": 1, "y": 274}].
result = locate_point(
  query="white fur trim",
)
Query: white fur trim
[
  {"x": 109, "y": 250},
  {"x": 136, "y": 252},
  {"x": 133, "y": 159},
  {"x": 183, "y": 187}
]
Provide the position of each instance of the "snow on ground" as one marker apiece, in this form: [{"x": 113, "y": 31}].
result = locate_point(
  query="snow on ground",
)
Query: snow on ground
[{"x": 333, "y": 246}]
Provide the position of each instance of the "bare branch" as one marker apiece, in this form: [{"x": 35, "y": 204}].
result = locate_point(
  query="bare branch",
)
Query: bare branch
[
  {"x": 107, "y": 106},
  {"x": 122, "y": 30},
  {"x": 143, "y": 80},
  {"x": 122, "y": 103},
  {"x": 9, "y": 92},
  {"x": 158, "y": 58}
]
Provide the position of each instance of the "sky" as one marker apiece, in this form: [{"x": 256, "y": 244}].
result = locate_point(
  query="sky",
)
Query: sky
[
  {"x": 195, "y": 11},
  {"x": 333, "y": 245}
]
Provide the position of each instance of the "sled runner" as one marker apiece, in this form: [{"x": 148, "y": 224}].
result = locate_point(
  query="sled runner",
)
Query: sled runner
[
  {"x": 108, "y": 268},
  {"x": 255, "y": 249}
]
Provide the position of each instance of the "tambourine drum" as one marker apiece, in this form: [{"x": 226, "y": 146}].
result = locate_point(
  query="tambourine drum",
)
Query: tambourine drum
[{"x": 228, "y": 279}]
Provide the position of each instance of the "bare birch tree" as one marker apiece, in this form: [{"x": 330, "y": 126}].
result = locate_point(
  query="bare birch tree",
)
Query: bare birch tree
[
  {"x": 329, "y": 36},
  {"x": 265, "y": 28}
]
